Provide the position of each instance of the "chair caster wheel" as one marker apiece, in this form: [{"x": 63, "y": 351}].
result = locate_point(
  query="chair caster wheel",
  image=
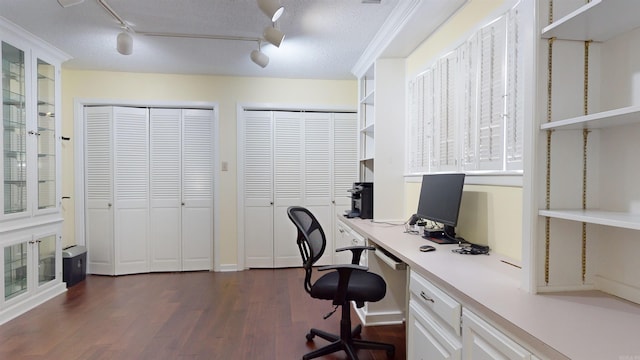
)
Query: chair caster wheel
[{"x": 310, "y": 336}]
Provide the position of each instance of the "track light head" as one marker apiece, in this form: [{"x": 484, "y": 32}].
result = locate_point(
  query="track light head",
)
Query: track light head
[
  {"x": 124, "y": 43},
  {"x": 271, "y": 8},
  {"x": 259, "y": 58},
  {"x": 273, "y": 35}
]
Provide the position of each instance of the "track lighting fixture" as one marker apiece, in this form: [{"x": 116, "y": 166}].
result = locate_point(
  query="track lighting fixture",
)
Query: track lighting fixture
[
  {"x": 273, "y": 35},
  {"x": 260, "y": 58},
  {"x": 124, "y": 43},
  {"x": 271, "y": 8}
]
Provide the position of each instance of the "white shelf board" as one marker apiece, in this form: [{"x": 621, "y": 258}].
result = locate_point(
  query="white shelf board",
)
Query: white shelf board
[
  {"x": 598, "y": 20},
  {"x": 368, "y": 98},
  {"x": 616, "y": 117},
  {"x": 369, "y": 129},
  {"x": 365, "y": 159},
  {"x": 601, "y": 217}
]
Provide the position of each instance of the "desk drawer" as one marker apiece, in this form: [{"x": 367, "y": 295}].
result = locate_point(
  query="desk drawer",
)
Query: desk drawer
[{"x": 437, "y": 301}]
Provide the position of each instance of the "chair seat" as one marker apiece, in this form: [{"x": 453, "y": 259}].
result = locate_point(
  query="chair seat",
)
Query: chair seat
[{"x": 363, "y": 286}]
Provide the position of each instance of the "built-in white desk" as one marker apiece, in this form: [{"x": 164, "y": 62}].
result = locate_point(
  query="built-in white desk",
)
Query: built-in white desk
[{"x": 575, "y": 325}]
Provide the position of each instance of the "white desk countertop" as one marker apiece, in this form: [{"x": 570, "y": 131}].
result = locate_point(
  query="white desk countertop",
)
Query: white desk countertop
[{"x": 575, "y": 325}]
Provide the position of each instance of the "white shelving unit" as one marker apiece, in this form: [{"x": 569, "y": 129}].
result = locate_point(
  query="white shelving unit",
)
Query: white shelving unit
[
  {"x": 367, "y": 125},
  {"x": 605, "y": 222}
]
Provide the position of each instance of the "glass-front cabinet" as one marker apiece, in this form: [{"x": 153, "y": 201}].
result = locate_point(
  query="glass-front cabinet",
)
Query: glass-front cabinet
[
  {"x": 30, "y": 140},
  {"x": 30, "y": 146},
  {"x": 30, "y": 264}
]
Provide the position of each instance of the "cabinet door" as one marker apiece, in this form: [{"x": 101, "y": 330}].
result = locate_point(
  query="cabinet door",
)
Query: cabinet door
[
  {"x": 165, "y": 181},
  {"x": 257, "y": 144},
  {"x": 47, "y": 163},
  {"x": 427, "y": 339},
  {"x": 16, "y": 269},
  {"x": 483, "y": 341},
  {"x": 14, "y": 114},
  {"x": 197, "y": 192},
  {"x": 99, "y": 189}
]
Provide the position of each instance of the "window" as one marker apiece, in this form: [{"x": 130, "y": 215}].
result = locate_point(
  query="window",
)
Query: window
[{"x": 466, "y": 108}]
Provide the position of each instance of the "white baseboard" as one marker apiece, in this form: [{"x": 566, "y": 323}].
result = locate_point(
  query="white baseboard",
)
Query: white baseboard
[
  {"x": 228, "y": 268},
  {"x": 380, "y": 318},
  {"x": 27, "y": 304}
]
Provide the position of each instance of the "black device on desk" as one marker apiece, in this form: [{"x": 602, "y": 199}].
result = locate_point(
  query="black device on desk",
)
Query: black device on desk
[
  {"x": 440, "y": 197},
  {"x": 361, "y": 200}
]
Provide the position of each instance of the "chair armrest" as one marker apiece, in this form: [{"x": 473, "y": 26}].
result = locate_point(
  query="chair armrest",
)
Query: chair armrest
[
  {"x": 356, "y": 252},
  {"x": 349, "y": 267}
]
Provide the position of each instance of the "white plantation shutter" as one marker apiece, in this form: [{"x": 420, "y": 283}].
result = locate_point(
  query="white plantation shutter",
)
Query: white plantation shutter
[
  {"x": 345, "y": 156},
  {"x": 257, "y": 162},
  {"x": 430, "y": 116},
  {"x": 468, "y": 110},
  {"x": 492, "y": 41},
  {"x": 317, "y": 160},
  {"x": 288, "y": 158},
  {"x": 515, "y": 97},
  {"x": 446, "y": 124}
]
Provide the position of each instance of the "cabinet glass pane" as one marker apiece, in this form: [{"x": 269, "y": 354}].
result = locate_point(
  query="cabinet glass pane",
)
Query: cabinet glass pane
[
  {"x": 14, "y": 126},
  {"x": 46, "y": 136},
  {"x": 46, "y": 259},
  {"x": 15, "y": 270}
]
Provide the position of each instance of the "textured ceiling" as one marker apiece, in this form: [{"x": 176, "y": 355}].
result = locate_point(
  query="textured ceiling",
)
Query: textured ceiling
[{"x": 324, "y": 38}]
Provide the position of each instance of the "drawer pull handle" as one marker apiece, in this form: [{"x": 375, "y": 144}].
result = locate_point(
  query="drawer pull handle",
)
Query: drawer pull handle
[{"x": 424, "y": 296}]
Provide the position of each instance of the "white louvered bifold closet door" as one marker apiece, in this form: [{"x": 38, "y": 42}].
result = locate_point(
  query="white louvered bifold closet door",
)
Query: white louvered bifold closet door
[
  {"x": 257, "y": 163},
  {"x": 131, "y": 189},
  {"x": 165, "y": 222},
  {"x": 318, "y": 175},
  {"x": 491, "y": 110},
  {"x": 289, "y": 184},
  {"x": 197, "y": 188},
  {"x": 99, "y": 189}
]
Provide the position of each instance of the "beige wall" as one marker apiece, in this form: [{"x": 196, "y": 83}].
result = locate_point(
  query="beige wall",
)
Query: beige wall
[
  {"x": 489, "y": 215},
  {"x": 226, "y": 91}
]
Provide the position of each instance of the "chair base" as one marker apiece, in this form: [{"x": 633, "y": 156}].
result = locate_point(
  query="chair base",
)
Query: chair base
[{"x": 346, "y": 341}]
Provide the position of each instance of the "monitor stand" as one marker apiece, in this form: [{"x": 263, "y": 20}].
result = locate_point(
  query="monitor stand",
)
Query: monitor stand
[{"x": 444, "y": 236}]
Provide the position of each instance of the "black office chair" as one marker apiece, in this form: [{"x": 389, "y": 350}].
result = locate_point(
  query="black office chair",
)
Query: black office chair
[{"x": 348, "y": 282}]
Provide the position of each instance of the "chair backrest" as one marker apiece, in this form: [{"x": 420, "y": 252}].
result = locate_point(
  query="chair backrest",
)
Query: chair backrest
[{"x": 311, "y": 239}]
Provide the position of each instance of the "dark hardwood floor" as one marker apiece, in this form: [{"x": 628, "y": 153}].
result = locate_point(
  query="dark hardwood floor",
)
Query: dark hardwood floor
[{"x": 254, "y": 314}]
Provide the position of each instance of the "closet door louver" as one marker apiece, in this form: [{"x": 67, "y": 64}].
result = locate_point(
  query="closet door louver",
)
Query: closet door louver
[
  {"x": 99, "y": 189},
  {"x": 258, "y": 188},
  {"x": 197, "y": 194},
  {"x": 165, "y": 186},
  {"x": 131, "y": 184}
]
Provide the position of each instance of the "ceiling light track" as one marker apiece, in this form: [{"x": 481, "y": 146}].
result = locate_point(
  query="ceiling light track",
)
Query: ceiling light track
[{"x": 271, "y": 34}]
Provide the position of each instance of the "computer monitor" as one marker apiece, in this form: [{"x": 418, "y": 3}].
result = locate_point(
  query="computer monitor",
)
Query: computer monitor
[{"x": 440, "y": 198}]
